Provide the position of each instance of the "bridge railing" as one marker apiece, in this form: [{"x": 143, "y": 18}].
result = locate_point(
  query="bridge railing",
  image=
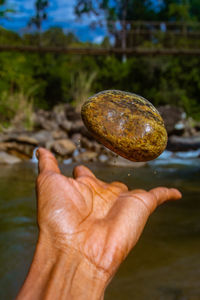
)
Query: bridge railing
[{"x": 130, "y": 38}]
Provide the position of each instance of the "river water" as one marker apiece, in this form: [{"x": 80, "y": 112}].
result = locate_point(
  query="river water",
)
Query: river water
[{"x": 164, "y": 265}]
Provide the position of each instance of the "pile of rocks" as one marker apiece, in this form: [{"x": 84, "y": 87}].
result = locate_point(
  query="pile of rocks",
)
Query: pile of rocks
[
  {"x": 183, "y": 132},
  {"x": 63, "y": 132}
]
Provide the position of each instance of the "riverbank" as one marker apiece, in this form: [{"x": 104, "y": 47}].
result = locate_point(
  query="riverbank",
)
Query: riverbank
[{"x": 63, "y": 132}]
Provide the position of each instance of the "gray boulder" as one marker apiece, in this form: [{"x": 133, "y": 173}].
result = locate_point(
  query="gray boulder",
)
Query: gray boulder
[
  {"x": 63, "y": 147},
  {"x": 86, "y": 156},
  {"x": 6, "y": 158}
]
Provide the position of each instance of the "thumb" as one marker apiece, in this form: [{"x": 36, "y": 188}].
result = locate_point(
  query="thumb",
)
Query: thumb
[{"x": 46, "y": 161}]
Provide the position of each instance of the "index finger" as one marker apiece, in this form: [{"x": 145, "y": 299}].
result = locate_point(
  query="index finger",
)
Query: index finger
[{"x": 46, "y": 161}]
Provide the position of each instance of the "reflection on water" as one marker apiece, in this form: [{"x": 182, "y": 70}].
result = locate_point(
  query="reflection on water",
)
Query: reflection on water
[{"x": 165, "y": 265}]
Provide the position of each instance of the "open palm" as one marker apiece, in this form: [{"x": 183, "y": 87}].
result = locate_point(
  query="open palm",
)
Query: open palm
[{"x": 100, "y": 221}]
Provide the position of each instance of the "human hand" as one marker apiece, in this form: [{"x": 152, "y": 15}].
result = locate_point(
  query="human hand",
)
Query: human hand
[
  {"x": 99, "y": 220},
  {"x": 93, "y": 222}
]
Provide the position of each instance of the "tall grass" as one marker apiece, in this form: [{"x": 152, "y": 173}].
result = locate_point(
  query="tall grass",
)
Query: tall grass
[
  {"x": 16, "y": 111},
  {"x": 81, "y": 87}
]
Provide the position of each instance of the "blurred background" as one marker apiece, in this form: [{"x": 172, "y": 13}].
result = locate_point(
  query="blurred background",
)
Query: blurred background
[
  {"x": 36, "y": 36},
  {"x": 53, "y": 56}
]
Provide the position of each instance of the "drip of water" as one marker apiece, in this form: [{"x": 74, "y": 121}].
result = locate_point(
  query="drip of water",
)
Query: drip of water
[
  {"x": 67, "y": 161},
  {"x": 76, "y": 152},
  {"x": 34, "y": 157}
]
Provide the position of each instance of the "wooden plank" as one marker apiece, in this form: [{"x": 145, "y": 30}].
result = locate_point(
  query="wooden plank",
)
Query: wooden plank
[
  {"x": 100, "y": 51},
  {"x": 165, "y": 33}
]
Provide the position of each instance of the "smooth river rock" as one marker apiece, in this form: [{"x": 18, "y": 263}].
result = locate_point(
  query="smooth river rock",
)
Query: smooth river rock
[
  {"x": 63, "y": 147},
  {"x": 125, "y": 123},
  {"x": 6, "y": 158}
]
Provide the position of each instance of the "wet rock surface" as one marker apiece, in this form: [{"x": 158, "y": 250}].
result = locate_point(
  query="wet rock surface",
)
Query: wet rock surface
[
  {"x": 178, "y": 143},
  {"x": 70, "y": 141},
  {"x": 126, "y": 123},
  {"x": 6, "y": 158},
  {"x": 63, "y": 147}
]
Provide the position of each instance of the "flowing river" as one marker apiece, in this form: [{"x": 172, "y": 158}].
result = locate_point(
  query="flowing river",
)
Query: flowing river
[{"x": 165, "y": 264}]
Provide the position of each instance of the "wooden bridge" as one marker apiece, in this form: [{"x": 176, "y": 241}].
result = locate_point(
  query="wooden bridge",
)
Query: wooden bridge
[
  {"x": 101, "y": 51},
  {"x": 132, "y": 38}
]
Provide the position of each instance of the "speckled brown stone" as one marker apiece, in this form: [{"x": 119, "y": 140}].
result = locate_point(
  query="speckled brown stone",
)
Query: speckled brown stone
[{"x": 125, "y": 123}]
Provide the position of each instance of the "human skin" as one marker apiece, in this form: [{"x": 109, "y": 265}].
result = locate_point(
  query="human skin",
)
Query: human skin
[{"x": 86, "y": 229}]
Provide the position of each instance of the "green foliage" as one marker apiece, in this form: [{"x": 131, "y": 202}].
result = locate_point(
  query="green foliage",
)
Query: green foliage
[
  {"x": 180, "y": 11},
  {"x": 4, "y": 10},
  {"x": 113, "y": 10},
  {"x": 195, "y": 9},
  {"x": 32, "y": 81},
  {"x": 16, "y": 110},
  {"x": 56, "y": 37},
  {"x": 162, "y": 80},
  {"x": 40, "y": 14},
  {"x": 81, "y": 87},
  {"x": 8, "y": 37},
  {"x": 52, "y": 79}
]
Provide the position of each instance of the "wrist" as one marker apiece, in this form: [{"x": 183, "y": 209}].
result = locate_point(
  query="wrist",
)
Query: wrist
[{"x": 57, "y": 274}]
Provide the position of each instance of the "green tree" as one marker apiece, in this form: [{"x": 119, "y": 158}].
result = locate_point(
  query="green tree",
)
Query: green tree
[
  {"x": 41, "y": 15},
  {"x": 195, "y": 9},
  {"x": 3, "y": 9},
  {"x": 180, "y": 10},
  {"x": 55, "y": 36},
  {"x": 117, "y": 10}
]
